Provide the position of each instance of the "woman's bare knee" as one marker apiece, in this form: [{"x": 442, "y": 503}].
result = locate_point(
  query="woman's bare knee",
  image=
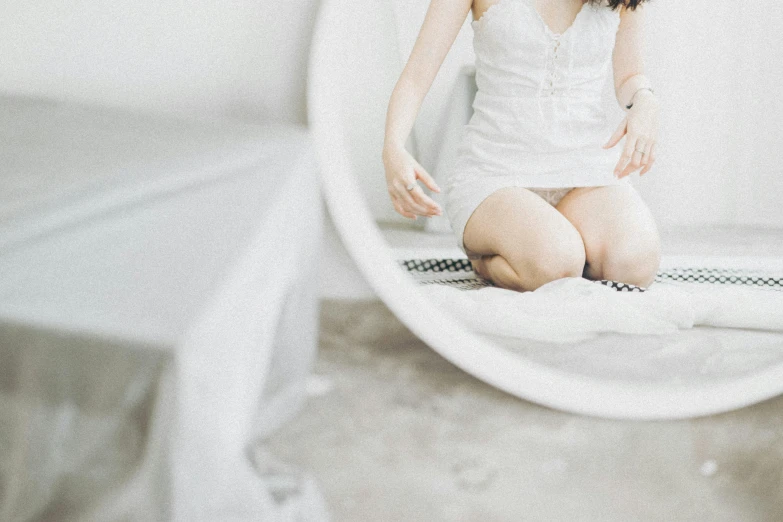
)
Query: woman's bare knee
[
  {"x": 536, "y": 243},
  {"x": 557, "y": 264},
  {"x": 632, "y": 264},
  {"x": 619, "y": 233},
  {"x": 562, "y": 256},
  {"x": 496, "y": 269}
]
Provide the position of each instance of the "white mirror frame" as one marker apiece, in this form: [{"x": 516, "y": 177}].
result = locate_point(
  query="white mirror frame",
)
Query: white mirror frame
[{"x": 476, "y": 355}]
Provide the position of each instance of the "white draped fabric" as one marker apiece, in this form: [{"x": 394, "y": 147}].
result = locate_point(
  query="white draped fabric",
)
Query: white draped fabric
[
  {"x": 156, "y": 321},
  {"x": 575, "y": 309}
]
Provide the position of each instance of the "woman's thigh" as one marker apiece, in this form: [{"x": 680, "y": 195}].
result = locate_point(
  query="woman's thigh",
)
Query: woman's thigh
[
  {"x": 619, "y": 232},
  {"x": 526, "y": 231}
]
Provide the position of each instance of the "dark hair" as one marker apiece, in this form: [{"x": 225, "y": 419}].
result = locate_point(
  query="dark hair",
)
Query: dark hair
[{"x": 614, "y": 4}]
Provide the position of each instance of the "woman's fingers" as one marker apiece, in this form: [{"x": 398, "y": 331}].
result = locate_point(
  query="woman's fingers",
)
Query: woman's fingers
[
  {"x": 409, "y": 203},
  {"x": 419, "y": 195},
  {"x": 404, "y": 212},
  {"x": 618, "y": 134},
  {"x": 650, "y": 160},
  {"x": 634, "y": 156},
  {"x": 398, "y": 207},
  {"x": 624, "y": 160},
  {"x": 637, "y": 159},
  {"x": 402, "y": 171},
  {"x": 421, "y": 198},
  {"x": 401, "y": 205},
  {"x": 417, "y": 200},
  {"x": 426, "y": 178},
  {"x": 646, "y": 153}
]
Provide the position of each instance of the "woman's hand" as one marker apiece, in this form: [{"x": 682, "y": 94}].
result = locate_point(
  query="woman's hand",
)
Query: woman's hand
[
  {"x": 641, "y": 126},
  {"x": 402, "y": 171}
]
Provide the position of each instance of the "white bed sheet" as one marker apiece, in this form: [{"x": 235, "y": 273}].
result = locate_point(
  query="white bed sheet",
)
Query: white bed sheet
[
  {"x": 194, "y": 239},
  {"x": 85, "y": 188}
]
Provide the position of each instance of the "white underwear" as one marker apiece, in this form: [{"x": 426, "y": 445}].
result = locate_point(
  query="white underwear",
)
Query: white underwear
[
  {"x": 462, "y": 199},
  {"x": 551, "y": 195}
]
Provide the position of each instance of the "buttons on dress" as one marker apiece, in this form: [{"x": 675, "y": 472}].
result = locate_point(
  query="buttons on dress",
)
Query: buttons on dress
[{"x": 552, "y": 66}]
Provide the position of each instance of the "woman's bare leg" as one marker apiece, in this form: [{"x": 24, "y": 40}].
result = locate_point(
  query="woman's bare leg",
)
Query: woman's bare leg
[
  {"x": 619, "y": 233},
  {"x": 496, "y": 269},
  {"x": 526, "y": 242}
]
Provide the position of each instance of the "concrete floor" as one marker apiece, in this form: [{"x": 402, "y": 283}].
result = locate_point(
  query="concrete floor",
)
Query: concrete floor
[{"x": 397, "y": 433}]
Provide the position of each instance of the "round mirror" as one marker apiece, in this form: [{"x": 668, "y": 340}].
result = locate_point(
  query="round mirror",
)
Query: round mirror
[{"x": 704, "y": 337}]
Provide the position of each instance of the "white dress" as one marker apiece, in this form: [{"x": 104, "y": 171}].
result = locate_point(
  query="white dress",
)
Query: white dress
[{"x": 539, "y": 117}]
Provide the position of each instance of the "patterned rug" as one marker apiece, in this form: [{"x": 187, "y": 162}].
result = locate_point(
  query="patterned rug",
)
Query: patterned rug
[{"x": 459, "y": 273}]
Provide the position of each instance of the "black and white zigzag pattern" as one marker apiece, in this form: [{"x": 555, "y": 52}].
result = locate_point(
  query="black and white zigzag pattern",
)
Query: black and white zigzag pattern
[
  {"x": 725, "y": 276},
  {"x": 459, "y": 274}
]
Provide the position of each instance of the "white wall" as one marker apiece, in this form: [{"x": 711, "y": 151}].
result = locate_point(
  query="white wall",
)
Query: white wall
[
  {"x": 718, "y": 145},
  {"x": 238, "y": 58},
  {"x": 715, "y": 68},
  {"x": 714, "y": 64},
  {"x": 235, "y": 57}
]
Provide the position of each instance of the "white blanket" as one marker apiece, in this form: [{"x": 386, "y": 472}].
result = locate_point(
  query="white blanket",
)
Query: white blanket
[{"x": 573, "y": 309}]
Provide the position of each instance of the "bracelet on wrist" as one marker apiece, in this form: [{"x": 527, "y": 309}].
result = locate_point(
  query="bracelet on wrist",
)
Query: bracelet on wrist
[{"x": 634, "y": 95}]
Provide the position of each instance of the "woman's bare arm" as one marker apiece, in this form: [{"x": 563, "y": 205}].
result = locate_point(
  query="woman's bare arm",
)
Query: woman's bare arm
[
  {"x": 640, "y": 126},
  {"x": 627, "y": 59},
  {"x": 442, "y": 23}
]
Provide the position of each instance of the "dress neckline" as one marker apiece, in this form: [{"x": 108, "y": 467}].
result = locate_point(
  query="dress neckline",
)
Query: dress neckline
[
  {"x": 531, "y": 5},
  {"x": 490, "y": 12}
]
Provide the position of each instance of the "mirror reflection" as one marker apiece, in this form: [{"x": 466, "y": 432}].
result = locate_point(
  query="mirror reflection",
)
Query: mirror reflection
[{"x": 517, "y": 148}]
